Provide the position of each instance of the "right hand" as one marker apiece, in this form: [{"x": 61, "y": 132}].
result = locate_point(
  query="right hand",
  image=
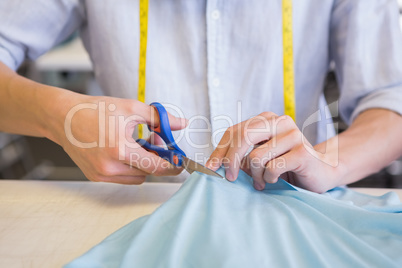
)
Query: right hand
[{"x": 106, "y": 151}]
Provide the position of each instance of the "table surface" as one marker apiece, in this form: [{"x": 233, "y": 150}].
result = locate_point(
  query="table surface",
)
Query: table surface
[{"x": 47, "y": 223}]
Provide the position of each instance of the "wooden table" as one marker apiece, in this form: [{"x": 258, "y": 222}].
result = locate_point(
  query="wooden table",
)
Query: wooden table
[{"x": 47, "y": 224}]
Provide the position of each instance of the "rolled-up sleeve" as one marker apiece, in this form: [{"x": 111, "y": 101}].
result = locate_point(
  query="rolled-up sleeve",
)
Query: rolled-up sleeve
[
  {"x": 30, "y": 28},
  {"x": 366, "y": 45}
]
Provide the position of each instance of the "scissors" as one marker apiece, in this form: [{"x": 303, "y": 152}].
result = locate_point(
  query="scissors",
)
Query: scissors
[{"x": 173, "y": 154}]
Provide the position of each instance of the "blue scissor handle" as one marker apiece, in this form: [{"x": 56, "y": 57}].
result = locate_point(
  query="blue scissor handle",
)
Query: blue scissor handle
[{"x": 173, "y": 155}]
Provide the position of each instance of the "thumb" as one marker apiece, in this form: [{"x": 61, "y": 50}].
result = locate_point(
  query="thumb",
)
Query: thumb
[
  {"x": 177, "y": 123},
  {"x": 149, "y": 115}
]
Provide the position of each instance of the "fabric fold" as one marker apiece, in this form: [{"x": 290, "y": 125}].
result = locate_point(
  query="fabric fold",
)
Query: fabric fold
[{"x": 211, "y": 222}]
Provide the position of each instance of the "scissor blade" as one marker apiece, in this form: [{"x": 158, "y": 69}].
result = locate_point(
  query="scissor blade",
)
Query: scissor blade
[{"x": 192, "y": 166}]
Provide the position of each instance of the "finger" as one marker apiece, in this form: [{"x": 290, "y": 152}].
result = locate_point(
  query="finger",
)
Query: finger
[
  {"x": 126, "y": 170},
  {"x": 132, "y": 154},
  {"x": 277, "y": 166},
  {"x": 247, "y": 134},
  {"x": 245, "y": 166},
  {"x": 235, "y": 157},
  {"x": 216, "y": 158},
  {"x": 128, "y": 180},
  {"x": 274, "y": 148},
  {"x": 249, "y": 167},
  {"x": 266, "y": 126},
  {"x": 108, "y": 174},
  {"x": 277, "y": 129},
  {"x": 245, "y": 163},
  {"x": 240, "y": 137},
  {"x": 149, "y": 162},
  {"x": 147, "y": 114}
]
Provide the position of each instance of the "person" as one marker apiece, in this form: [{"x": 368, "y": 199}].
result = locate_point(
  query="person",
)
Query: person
[{"x": 219, "y": 64}]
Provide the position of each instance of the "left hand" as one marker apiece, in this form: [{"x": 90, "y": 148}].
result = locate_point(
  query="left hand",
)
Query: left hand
[{"x": 279, "y": 149}]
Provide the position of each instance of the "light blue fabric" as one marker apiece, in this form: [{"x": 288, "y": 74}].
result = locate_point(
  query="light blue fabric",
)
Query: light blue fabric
[
  {"x": 220, "y": 62},
  {"x": 211, "y": 222}
]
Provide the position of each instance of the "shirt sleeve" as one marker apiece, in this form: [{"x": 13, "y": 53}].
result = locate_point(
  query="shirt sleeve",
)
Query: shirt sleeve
[
  {"x": 29, "y": 28},
  {"x": 366, "y": 46}
]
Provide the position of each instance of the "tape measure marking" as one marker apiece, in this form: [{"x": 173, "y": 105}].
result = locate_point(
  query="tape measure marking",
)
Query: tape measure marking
[
  {"x": 143, "y": 56},
  {"x": 288, "y": 62}
]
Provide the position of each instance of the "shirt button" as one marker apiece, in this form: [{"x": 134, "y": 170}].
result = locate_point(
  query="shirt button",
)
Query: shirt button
[
  {"x": 216, "y": 14},
  {"x": 216, "y": 82}
]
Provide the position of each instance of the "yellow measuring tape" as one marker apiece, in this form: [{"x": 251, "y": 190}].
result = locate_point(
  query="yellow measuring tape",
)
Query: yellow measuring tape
[
  {"x": 143, "y": 56},
  {"x": 288, "y": 63}
]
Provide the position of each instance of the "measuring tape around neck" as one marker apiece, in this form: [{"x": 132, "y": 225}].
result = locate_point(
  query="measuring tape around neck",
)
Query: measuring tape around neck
[
  {"x": 288, "y": 63},
  {"x": 143, "y": 56}
]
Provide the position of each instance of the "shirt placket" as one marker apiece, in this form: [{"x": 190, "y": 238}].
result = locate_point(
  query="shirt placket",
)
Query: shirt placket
[{"x": 214, "y": 28}]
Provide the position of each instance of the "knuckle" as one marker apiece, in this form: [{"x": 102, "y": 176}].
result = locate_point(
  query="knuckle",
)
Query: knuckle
[
  {"x": 300, "y": 151},
  {"x": 107, "y": 170},
  {"x": 294, "y": 134},
  {"x": 264, "y": 114},
  {"x": 115, "y": 153},
  {"x": 120, "y": 154},
  {"x": 258, "y": 121},
  {"x": 258, "y": 124},
  {"x": 253, "y": 132},
  {"x": 286, "y": 117},
  {"x": 267, "y": 115},
  {"x": 286, "y": 120},
  {"x": 256, "y": 155}
]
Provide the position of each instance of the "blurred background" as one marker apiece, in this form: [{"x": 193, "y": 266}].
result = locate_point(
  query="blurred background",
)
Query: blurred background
[{"x": 68, "y": 66}]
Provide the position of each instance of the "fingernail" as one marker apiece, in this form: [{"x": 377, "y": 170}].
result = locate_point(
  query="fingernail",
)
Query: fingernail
[
  {"x": 258, "y": 186},
  {"x": 255, "y": 185},
  {"x": 229, "y": 175},
  {"x": 208, "y": 164}
]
